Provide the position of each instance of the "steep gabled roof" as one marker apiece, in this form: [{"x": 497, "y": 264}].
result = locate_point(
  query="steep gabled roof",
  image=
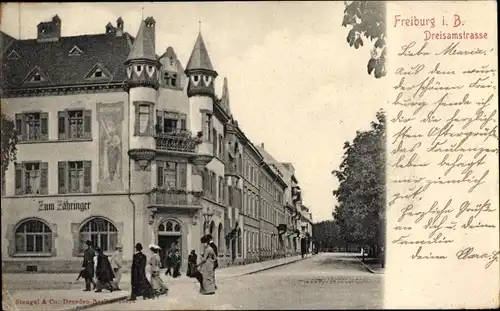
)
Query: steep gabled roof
[
  {"x": 53, "y": 59},
  {"x": 199, "y": 56}
]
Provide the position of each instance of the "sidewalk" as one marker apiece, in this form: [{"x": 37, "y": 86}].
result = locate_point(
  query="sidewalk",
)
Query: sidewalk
[{"x": 61, "y": 292}]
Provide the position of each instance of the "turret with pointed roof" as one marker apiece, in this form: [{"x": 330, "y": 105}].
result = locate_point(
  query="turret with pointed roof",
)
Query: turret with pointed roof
[
  {"x": 224, "y": 100},
  {"x": 142, "y": 64},
  {"x": 200, "y": 71}
]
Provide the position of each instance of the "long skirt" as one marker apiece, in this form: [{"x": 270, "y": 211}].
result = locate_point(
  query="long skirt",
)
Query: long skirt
[
  {"x": 208, "y": 282},
  {"x": 157, "y": 283}
]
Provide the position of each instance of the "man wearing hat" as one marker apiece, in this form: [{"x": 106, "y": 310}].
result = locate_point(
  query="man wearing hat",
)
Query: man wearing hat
[
  {"x": 88, "y": 265},
  {"x": 117, "y": 265}
]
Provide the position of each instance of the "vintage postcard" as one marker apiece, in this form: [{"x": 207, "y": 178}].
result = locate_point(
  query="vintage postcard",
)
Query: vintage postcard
[{"x": 249, "y": 155}]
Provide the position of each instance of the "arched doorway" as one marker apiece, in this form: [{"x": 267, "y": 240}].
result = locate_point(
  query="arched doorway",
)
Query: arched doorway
[{"x": 169, "y": 235}]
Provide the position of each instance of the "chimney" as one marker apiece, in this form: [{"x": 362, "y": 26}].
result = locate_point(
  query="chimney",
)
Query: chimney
[
  {"x": 109, "y": 28},
  {"x": 119, "y": 27},
  {"x": 49, "y": 31},
  {"x": 262, "y": 145}
]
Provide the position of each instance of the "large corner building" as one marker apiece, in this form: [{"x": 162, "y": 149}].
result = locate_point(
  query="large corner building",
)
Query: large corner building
[{"x": 120, "y": 145}]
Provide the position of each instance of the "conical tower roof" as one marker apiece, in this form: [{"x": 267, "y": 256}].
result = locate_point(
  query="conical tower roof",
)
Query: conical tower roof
[
  {"x": 144, "y": 43},
  {"x": 199, "y": 56}
]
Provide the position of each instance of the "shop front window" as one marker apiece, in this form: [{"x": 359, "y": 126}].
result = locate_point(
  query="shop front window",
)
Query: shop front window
[
  {"x": 101, "y": 232},
  {"x": 33, "y": 237}
]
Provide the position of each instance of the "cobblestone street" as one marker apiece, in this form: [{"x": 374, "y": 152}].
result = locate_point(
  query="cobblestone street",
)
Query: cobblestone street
[{"x": 325, "y": 281}]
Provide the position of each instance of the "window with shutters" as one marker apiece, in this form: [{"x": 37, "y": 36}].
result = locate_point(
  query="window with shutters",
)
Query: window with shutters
[
  {"x": 32, "y": 126},
  {"x": 33, "y": 237},
  {"x": 221, "y": 191},
  {"x": 31, "y": 178},
  {"x": 215, "y": 143},
  {"x": 144, "y": 118},
  {"x": 171, "y": 175},
  {"x": 74, "y": 124},
  {"x": 213, "y": 186},
  {"x": 75, "y": 177}
]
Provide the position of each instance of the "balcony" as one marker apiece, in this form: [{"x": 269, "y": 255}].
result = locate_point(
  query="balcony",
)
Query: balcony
[
  {"x": 175, "y": 198},
  {"x": 176, "y": 141}
]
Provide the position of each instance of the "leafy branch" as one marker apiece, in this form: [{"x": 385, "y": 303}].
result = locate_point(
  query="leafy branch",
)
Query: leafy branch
[{"x": 367, "y": 19}]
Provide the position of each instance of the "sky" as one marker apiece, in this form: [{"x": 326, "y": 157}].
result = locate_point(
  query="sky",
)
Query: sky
[{"x": 294, "y": 83}]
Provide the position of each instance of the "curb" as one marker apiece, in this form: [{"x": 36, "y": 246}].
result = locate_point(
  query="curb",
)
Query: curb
[
  {"x": 276, "y": 266},
  {"x": 367, "y": 268}
]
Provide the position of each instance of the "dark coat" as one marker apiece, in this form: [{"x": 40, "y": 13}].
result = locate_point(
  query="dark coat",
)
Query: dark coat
[
  {"x": 192, "y": 262},
  {"x": 303, "y": 245},
  {"x": 88, "y": 262},
  {"x": 216, "y": 263},
  {"x": 104, "y": 272},
  {"x": 140, "y": 284}
]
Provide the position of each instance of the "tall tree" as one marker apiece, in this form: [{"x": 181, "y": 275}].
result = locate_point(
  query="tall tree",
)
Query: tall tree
[
  {"x": 9, "y": 141},
  {"x": 361, "y": 191},
  {"x": 367, "y": 18}
]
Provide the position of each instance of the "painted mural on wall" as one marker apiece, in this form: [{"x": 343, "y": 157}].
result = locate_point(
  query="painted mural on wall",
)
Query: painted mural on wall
[{"x": 110, "y": 117}]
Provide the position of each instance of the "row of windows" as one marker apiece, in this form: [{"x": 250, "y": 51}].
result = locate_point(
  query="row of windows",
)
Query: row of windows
[
  {"x": 252, "y": 241},
  {"x": 32, "y": 178},
  {"x": 34, "y": 236},
  {"x": 250, "y": 204},
  {"x": 72, "y": 125},
  {"x": 269, "y": 241},
  {"x": 251, "y": 172}
]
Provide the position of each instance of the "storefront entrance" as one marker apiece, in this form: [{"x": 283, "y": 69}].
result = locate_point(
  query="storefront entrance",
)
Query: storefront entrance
[{"x": 169, "y": 236}]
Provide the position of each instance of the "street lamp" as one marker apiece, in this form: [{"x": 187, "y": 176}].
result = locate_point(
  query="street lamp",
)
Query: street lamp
[{"x": 208, "y": 213}]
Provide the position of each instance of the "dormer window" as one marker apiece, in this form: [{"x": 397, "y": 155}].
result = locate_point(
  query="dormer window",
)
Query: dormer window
[
  {"x": 196, "y": 78},
  {"x": 139, "y": 68},
  {"x": 75, "y": 51},
  {"x": 44, "y": 30},
  {"x": 13, "y": 55},
  {"x": 97, "y": 72},
  {"x": 36, "y": 77},
  {"x": 174, "y": 80}
]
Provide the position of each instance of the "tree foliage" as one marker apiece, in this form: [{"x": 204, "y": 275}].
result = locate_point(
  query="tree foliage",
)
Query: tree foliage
[
  {"x": 9, "y": 141},
  {"x": 361, "y": 191},
  {"x": 367, "y": 18}
]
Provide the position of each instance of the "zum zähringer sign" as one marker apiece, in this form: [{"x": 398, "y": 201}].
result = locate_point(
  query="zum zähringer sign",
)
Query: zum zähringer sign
[{"x": 63, "y": 206}]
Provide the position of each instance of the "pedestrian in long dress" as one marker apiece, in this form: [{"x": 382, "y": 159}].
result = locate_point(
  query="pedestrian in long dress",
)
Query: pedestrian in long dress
[
  {"x": 214, "y": 247},
  {"x": 88, "y": 265},
  {"x": 140, "y": 284},
  {"x": 104, "y": 272},
  {"x": 206, "y": 268},
  {"x": 117, "y": 265},
  {"x": 159, "y": 287}
]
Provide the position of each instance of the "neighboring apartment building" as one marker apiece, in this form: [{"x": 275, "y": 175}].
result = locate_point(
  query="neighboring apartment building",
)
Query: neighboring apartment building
[
  {"x": 117, "y": 145},
  {"x": 291, "y": 213},
  {"x": 252, "y": 160},
  {"x": 306, "y": 229}
]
